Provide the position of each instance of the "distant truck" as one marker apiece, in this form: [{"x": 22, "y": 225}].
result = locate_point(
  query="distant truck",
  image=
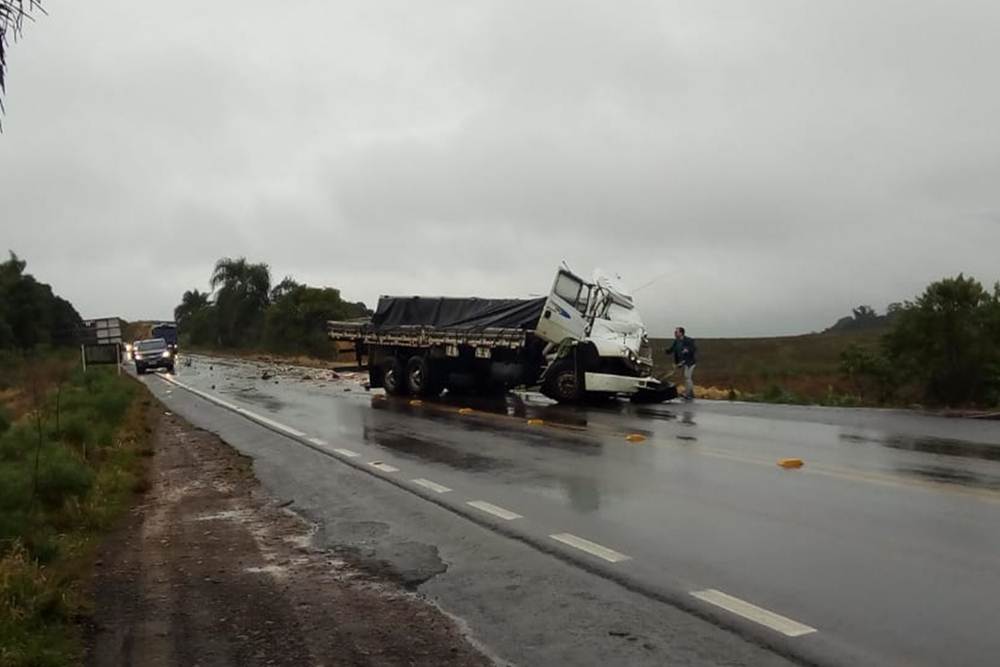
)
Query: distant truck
[
  {"x": 168, "y": 332},
  {"x": 584, "y": 341}
]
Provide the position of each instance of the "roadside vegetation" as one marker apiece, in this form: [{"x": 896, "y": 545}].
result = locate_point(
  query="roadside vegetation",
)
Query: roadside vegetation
[
  {"x": 71, "y": 449},
  {"x": 30, "y": 314},
  {"x": 941, "y": 349},
  {"x": 71, "y": 452},
  {"x": 244, "y": 311}
]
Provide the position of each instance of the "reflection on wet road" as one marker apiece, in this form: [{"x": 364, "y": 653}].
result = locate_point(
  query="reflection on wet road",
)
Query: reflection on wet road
[{"x": 893, "y": 513}]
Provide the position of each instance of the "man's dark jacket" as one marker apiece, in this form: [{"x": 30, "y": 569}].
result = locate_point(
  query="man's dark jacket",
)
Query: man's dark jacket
[{"x": 684, "y": 351}]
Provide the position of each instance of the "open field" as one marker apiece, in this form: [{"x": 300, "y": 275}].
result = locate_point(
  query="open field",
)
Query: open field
[{"x": 793, "y": 368}]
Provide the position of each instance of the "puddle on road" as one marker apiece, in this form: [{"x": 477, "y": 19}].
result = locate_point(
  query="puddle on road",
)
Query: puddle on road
[
  {"x": 930, "y": 445},
  {"x": 433, "y": 452},
  {"x": 954, "y": 476}
]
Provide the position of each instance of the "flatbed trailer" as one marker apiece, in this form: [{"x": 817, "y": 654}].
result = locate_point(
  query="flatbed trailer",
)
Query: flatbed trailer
[{"x": 584, "y": 341}]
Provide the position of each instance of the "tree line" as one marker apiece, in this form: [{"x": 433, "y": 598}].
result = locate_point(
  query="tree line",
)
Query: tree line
[
  {"x": 943, "y": 347},
  {"x": 31, "y": 315},
  {"x": 241, "y": 309}
]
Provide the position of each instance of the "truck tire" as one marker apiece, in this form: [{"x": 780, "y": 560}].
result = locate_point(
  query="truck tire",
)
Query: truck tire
[
  {"x": 561, "y": 382},
  {"x": 140, "y": 369},
  {"x": 393, "y": 378},
  {"x": 420, "y": 377}
]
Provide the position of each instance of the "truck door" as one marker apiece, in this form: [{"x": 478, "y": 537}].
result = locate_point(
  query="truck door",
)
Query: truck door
[{"x": 565, "y": 310}]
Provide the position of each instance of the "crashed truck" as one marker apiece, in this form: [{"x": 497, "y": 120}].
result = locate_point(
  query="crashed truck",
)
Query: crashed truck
[{"x": 583, "y": 342}]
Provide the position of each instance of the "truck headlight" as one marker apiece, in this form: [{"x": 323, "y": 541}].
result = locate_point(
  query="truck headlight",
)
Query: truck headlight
[{"x": 166, "y": 353}]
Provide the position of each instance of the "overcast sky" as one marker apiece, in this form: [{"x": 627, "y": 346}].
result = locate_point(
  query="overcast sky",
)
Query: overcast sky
[{"x": 772, "y": 163}]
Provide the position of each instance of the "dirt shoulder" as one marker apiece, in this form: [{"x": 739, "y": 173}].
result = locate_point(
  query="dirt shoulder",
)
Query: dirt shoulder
[{"x": 209, "y": 570}]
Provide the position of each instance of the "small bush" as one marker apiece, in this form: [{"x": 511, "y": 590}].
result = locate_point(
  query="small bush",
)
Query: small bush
[
  {"x": 75, "y": 429},
  {"x": 62, "y": 475},
  {"x": 33, "y": 610},
  {"x": 17, "y": 442}
]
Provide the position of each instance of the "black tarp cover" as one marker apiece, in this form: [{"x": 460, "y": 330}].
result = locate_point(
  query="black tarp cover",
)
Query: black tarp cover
[{"x": 457, "y": 313}]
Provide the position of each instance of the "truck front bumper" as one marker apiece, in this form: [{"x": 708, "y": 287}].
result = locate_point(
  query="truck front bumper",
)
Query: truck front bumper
[{"x": 619, "y": 384}]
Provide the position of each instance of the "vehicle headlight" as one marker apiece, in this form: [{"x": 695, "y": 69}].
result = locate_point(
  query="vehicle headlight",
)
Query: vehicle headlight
[
  {"x": 166, "y": 353},
  {"x": 138, "y": 355}
]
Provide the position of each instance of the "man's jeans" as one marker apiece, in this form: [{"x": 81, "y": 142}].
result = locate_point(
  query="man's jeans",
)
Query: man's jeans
[{"x": 689, "y": 381}]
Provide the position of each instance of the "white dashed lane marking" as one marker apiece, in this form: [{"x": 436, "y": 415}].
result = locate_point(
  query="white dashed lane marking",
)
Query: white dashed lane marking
[
  {"x": 777, "y": 622},
  {"x": 318, "y": 442},
  {"x": 384, "y": 467},
  {"x": 433, "y": 486},
  {"x": 348, "y": 453},
  {"x": 591, "y": 548},
  {"x": 490, "y": 508}
]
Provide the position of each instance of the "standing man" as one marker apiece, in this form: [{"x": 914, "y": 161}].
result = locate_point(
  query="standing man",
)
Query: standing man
[{"x": 685, "y": 355}]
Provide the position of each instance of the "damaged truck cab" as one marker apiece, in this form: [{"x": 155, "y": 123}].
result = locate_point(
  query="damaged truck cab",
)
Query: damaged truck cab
[{"x": 584, "y": 341}]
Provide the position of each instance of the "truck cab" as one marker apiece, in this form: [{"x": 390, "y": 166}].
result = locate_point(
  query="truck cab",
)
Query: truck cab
[{"x": 598, "y": 344}]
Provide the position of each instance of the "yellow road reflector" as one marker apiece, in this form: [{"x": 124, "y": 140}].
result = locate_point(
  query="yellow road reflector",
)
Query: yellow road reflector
[
  {"x": 536, "y": 422},
  {"x": 465, "y": 411},
  {"x": 790, "y": 463},
  {"x": 635, "y": 437},
  {"x": 416, "y": 401}
]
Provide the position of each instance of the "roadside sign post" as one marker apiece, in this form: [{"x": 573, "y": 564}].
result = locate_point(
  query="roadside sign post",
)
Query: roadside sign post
[{"x": 101, "y": 341}]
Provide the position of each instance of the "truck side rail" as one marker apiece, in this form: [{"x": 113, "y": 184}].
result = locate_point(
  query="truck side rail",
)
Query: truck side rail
[{"x": 423, "y": 336}]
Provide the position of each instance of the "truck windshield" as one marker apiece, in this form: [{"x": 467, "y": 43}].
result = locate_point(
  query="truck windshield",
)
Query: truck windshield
[
  {"x": 570, "y": 288},
  {"x": 155, "y": 344}
]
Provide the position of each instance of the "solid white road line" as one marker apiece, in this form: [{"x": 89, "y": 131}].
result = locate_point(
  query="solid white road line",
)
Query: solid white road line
[
  {"x": 782, "y": 624},
  {"x": 274, "y": 424},
  {"x": 591, "y": 548},
  {"x": 490, "y": 508},
  {"x": 318, "y": 442},
  {"x": 348, "y": 453},
  {"x": 384, "y": 467},
  {"x": 433, "y": 486},
  {"x": 253, "y": 415}
]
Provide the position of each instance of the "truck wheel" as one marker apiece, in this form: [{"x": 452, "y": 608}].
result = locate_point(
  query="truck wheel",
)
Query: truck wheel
[
  {"x": 139, "y": 370},
  {"x": 420, "y": 377},
  {"x": 392, "y": 377},
  {"x": 561, "y": 383}
]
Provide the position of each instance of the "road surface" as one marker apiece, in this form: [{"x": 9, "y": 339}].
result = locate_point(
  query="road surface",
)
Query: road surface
[{"x": 883, "y": 549}]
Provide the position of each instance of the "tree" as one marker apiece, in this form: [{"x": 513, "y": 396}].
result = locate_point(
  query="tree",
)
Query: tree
[
  {"x": 870, "y": 373},
  {"x": 949, "y": 340},
  {"x": 191, "y": 302},
  {"x": 12, "y": 16},
  {"x": 296, "y": 321},
  {"x": 286, "y": 285},
  {"x": 242, "y": 292},
  {"x": 30, "y": 314}
]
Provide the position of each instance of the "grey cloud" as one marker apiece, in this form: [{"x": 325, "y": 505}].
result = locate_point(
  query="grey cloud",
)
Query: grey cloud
[{"x": 780, "y": 162}]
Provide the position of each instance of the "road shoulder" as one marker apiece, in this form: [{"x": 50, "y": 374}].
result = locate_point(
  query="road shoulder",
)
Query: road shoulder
[{"x": 210, "y": 569}]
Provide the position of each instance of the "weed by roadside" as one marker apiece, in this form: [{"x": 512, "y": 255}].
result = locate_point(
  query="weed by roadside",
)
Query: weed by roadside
[{"x": 68, "y": 469}]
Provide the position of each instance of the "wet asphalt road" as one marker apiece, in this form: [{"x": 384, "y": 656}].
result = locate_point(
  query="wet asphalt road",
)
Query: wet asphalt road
[{"x": 883, "y": 549}]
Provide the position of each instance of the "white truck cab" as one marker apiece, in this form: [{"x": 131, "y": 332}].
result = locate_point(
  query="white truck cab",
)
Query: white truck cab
[{"x": 598, "y": 342}]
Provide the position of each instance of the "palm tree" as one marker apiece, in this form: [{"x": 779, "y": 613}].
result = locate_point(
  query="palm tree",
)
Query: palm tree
[
  {"x": 191, "y": 303},
  {"x": 242, "y": 292},
  {"x": 12, "y": 16}
]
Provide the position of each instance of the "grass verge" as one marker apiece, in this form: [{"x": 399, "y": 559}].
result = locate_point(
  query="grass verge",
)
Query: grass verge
[
  {"x": 71, "y": 459},
  {"x": 785, "y": 369}
]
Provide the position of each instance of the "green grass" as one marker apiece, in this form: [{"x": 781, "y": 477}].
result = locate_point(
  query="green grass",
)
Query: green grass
[
  {"x": 785, "y": 369},
  {"x": 63, "y": 484}
]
